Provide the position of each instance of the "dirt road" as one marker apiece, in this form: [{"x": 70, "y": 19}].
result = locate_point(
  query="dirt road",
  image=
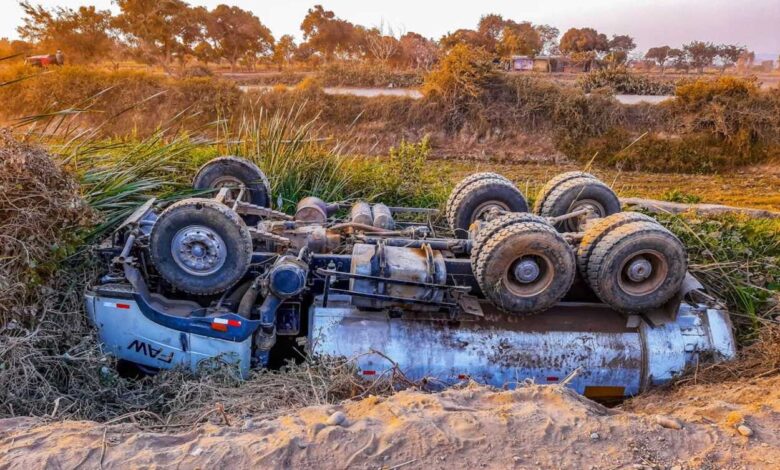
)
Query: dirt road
[{"x": 473, "y": 427}]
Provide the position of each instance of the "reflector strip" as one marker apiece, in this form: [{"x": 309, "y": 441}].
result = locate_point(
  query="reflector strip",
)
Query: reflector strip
[
  {"x": 369, "y": 372},
  {"x": 552, "y": 379},
  {"x": 462, "y": 376},
  {"x": 115, "y": 305},
  {"x": 222, "y": 324}
]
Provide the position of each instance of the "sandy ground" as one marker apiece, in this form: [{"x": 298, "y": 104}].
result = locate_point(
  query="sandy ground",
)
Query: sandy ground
[{"x": 472, "y": 427}]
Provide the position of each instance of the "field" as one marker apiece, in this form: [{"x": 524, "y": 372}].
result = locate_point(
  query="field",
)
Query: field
[{"x": 84, "y": 148}]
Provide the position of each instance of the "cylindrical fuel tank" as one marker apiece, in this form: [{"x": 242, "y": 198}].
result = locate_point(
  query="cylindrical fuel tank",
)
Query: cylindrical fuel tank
[
  {"x": 383, "y": 218},
  {"x": 401, "y": 263},
  {"x": 612, "y": 359},
  {"x": 361, "y": 213}
]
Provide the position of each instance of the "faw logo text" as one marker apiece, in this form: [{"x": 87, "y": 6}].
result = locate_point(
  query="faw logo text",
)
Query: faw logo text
[{"x": 148, "y": 350}]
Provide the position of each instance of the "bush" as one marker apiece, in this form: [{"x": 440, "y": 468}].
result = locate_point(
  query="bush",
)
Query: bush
[
  {"x": 118, "y": 101},
  {"x": 368, "y": 74},
  {"x": 460, "y": 83},
  {"x": 733, "y": 112},
  {"x": 622, "y": 81}
]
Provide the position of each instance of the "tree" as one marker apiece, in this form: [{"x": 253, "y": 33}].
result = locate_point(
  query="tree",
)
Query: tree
[
  {"x": 549, "y": 36},
  {"x": 729, "y": 54},
  {"x": 584, "y": 45},
  {"x": 491, "y": 26},
  {"x": 679, "y": 59},
  {"x": 235, "y": 33},
  {"x": 84, "y": 33},
  {"x": 583, "y": 40},
  {"x": 418, "y": 51},
  {"x": 519, "y": 39},
  {"x": 160, "y": 31},
  {"x": 467, "y": 37},
  {"x": 205, "y": 52},
  {"x": 619, "y": 48},
  {"x": 284, "y": 50},
  {"x": 660, "y": 55},
  {"x": 701, "y": 54},
  {"x": 381, "y": 43},
  {"x": 329, "y": 35}
]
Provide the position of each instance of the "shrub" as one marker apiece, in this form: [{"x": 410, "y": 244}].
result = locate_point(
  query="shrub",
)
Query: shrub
[
  {"x": 368, "y": 74},
  {"x": 621, "y": 80},
  {"x": 460, "y": 82},
  {"x": 118, "y": 101}
]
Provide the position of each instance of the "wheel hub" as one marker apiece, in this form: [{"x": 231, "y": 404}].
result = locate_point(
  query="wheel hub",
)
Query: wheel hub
[
  {"x": 639, "y": 269},
  {"x": 485, "y": 208},
  {"x": 527, "y": 271},
  {"x": 596, "y": 209},
  {"x": 233, "y": 184},
  {"x": 198, "y": 250}
]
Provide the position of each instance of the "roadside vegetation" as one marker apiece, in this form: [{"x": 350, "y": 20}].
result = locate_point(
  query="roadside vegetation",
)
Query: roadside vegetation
[
  {"x": 57, "y": 203},
  {"x": 88, "y": 144}
]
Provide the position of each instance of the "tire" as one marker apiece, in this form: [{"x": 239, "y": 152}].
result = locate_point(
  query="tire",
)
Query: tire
[
  {"x": 577, "y": 193},
  {"x": 224, "y": 171},
  {"x": 210, "y": 228},
  {"x": 478, "y": 197},
  {"x": 448, "y": 212},
  {"x": 525, "y": 241},
  {"x": 553, "y": 183},
  {"x": 489, "y": 229},
  {"x": 609, "y": 263},
  {"x": 599, "y": 229}
]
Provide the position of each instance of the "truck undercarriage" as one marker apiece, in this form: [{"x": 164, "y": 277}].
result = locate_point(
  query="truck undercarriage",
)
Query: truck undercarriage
[{"x": 577, "y": 293}]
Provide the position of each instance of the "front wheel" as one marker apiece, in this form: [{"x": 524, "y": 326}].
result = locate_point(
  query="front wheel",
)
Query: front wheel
[{"x": 200, "y": 246}]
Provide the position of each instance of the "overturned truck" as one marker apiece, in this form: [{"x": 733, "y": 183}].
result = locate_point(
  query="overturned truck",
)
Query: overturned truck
[{"x": 575, "y": 291}]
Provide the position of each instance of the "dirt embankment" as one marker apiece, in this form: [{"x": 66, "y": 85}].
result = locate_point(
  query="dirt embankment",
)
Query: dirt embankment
[{"x": 473, "y": 427}]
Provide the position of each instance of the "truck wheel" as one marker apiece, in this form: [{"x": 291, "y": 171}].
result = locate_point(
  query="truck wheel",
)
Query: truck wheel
[
  {"x": 232, "y": 172},
  {"x": 637, "y": 266},
  {"x": 525, "y": 268},
  {"x": 553, "y": 183},
  {"x": 200, "y": 246},
  {"x": 488, "y": 229},
  {"x": 478, "y": 198},
  {"x": 462, "y": 184},
  {"x": 599, "y": 229},
  {"x": 575, "y": 194}
]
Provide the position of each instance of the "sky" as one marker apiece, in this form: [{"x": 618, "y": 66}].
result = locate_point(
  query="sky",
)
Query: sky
[{"x": 752, "y": 23}]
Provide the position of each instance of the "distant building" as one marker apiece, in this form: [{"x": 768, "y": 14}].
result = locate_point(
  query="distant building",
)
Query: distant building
[
  {"x": 549, "y": 63},
  {"x": 524, "y": 63},
  {"x": 521, "y": 63}
]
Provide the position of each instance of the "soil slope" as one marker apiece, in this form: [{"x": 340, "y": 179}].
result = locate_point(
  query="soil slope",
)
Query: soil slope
[{"x": 472, "y": 427}]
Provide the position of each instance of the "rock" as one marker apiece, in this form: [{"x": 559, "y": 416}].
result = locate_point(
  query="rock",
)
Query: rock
[
  {"x": 744, "y": 430},
  {"x": 516, "y": 459},
  {"x": 667, "y": 422},
  {"x": 676, "y": 467},
  {"x": 594, "y": 436},
  {"x": 336, "y": 419}
]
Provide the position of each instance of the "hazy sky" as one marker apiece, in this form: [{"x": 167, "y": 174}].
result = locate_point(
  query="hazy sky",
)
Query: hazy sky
[{"x": 754, "y": 23}]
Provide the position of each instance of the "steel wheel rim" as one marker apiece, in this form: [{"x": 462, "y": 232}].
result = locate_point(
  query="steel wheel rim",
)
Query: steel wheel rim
[
  {"x": 198, "y": 250},
  {"x": 659, "y": 266},
  {"x": 540, "y": 282}
]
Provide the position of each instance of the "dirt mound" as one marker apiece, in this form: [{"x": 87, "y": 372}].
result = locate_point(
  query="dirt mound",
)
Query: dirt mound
[{"x": 472, "y": 427}]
